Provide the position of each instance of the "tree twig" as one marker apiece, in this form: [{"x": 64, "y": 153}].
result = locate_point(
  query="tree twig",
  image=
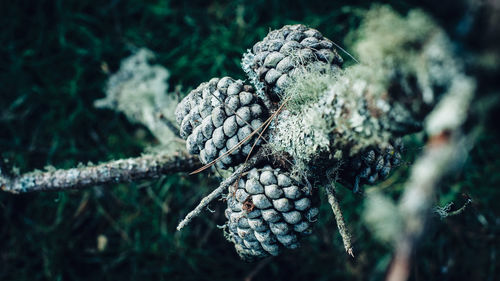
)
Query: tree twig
[
  {"x": 415, "y": 205},
  {"x": 337, "y": 211},
  {"x": 447, "y": 145},
  {"x": 219, "y": 190},
  {"x": 143, "y": 167},
  {"x": 444, "y": 212}
]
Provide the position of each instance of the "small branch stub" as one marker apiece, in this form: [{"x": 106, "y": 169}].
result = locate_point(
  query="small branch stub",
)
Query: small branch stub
[
  {"x": 445, "y": 212},
  {"x": 344, "y": 232},
  {"x": 218, "y": 191}
]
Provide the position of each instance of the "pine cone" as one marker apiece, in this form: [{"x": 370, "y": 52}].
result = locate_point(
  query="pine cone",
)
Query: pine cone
[
  {"x": 216, "y": 116},
  {"x": 268, "y": 211},
  {"x": 272, "y": 60},
  {"x": 372, "y": 165}
]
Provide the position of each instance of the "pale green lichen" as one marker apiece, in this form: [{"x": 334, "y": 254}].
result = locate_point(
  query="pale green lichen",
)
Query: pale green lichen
[
  {"x": 407, "y": 64},
  {"x": 412, "y": 46},
  {"x": 307, "y": 86},
  {"x": 303, "y": 136},
  {"x": 388, "y": 37},
  {"x": 301, "y": 130},
  {"x": 246, "y": 65},
  {"x": 139, "y": 90}
]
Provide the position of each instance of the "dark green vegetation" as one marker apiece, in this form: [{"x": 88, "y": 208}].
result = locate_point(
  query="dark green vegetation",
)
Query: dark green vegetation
[{"x": 55, "y": 57}]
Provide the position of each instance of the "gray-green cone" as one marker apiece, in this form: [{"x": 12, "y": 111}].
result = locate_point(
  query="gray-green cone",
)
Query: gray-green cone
[
  {"x": 216, "y": 116},
  {"x": 372, "y": 165},
  {"x": 272, "y": 60},
  {"x": 268, "y": 211}
]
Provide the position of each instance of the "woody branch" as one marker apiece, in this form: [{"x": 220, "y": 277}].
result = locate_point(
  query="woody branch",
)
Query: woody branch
[{"x": 124, "y": 170}]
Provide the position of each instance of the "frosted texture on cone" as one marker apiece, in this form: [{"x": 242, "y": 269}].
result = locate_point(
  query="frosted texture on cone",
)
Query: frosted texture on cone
[
  {"x": 216, "y": 116},
  {"x": 271, "y": 61},
  {"x": 268, "y": 211}
]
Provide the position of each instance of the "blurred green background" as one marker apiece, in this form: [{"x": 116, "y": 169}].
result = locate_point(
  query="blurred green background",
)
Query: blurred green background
[{"x": 55, "y": 57}]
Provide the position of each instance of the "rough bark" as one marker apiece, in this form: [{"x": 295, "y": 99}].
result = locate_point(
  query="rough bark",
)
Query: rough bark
[
  {"x": 339, "y": 218},
  {"x": 124, "y": 170}
]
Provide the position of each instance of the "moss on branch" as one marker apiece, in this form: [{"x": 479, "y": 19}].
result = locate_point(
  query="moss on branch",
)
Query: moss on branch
[{"x": 403, "y": 73}]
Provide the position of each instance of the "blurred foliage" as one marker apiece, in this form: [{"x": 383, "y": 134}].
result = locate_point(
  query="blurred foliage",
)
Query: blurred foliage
[{"x": 55, "y": 58}]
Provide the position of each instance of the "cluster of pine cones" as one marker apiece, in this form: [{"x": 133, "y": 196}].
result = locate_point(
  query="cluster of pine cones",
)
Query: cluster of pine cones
[{"x": 267, "y": 210}]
